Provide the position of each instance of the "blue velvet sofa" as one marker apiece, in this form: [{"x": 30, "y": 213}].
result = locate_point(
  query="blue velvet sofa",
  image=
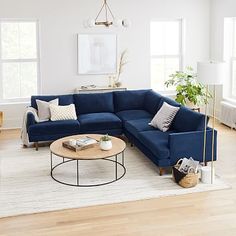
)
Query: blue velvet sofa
[{"x": 129, "y": 112}]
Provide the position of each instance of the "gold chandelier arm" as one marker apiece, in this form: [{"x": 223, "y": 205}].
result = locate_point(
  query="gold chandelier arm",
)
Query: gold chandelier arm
[
  {"x": 106, "y": 10},
  {"x": 110, "y": 11},
  {"x": 100, "y": 10}
]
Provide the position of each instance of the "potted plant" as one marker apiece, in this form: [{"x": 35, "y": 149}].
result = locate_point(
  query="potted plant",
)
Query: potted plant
[
  {"x": 105, "y": 142},
  {"x": 189, "y": 92}
]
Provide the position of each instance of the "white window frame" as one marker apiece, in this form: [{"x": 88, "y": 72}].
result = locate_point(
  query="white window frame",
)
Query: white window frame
[
  {"x": 37, "y": 60},
  {"x": 180, "y": 56}
]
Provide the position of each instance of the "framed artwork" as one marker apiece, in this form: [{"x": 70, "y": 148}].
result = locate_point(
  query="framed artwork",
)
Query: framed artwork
[{"x": 97, "y": 54}]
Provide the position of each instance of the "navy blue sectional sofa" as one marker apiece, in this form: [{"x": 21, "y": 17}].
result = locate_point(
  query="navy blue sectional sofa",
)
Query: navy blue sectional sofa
[{"x": 129, "y": 112}]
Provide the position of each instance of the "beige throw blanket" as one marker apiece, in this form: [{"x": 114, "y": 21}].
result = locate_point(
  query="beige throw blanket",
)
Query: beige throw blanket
[{"x": 24, "y": 133}]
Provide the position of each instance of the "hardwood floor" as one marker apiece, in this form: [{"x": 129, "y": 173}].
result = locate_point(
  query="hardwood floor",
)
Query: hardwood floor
[{"x": 209, "y": 213}]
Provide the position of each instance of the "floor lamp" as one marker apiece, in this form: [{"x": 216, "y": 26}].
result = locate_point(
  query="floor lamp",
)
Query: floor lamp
[{"x": 210, "y": 74}]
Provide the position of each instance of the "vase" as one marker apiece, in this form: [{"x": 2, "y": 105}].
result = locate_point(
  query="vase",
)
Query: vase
[
  {"x": 106, "y": 145},
  {"x": 190, "y": 104},
  {"x": 206, "y": 175}
]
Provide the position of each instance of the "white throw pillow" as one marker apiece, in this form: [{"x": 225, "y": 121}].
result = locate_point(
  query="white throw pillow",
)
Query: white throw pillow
[
  {"x": 63, "y": 112},
  {"x": 164, "y": 117},
  {"x": 43, "y": 109}
]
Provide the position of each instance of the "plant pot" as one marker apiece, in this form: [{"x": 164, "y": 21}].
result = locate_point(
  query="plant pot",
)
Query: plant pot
[
  {"x": 106, "y": 145},
  {"x": 190, "y": 105}
]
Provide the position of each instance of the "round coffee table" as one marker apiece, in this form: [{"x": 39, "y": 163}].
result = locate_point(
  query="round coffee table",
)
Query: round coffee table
[{"x": 92, "y": 153}]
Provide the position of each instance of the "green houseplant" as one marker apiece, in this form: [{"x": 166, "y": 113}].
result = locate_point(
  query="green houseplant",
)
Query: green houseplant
[
  {"x": 188, "y": 90},
  {"x": 105, "y": 143},
  {"x": 105, "y": 138}
]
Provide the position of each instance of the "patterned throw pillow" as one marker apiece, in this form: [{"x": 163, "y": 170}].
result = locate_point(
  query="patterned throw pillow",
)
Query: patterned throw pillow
[
  {"x": 43, "y": 109},
  {"x": 164, "y": 117},
  {"x": 63, "y": 112}
]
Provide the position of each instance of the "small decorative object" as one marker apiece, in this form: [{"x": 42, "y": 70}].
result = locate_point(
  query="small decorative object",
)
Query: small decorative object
[
  {"x": 88, "y": 86},
  {"x": 72, "y": 142},
  {"x": 111, "y": 81},
  {"x": 79, "y": 144},
  {"x": 105, "y": 143},
  {"x": 84, "y": 87},
  {"x": 206, "y": 175},
  {"x": 185, "y": 173},
  {"x": 189, "y": 91},
  {"x": 118, "y": 84},
  {"x": 106, "y": 22}
]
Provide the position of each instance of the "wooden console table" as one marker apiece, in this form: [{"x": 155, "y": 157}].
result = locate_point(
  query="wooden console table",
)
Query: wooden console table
[{"x": 99, "y": 89}]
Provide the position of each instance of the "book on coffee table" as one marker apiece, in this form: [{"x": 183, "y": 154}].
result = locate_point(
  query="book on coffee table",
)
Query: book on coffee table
[{"x": 81, "y": 144}]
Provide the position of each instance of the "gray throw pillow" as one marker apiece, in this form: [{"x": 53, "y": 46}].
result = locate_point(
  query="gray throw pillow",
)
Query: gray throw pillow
[
  {"x": 44, "y": 110},
  {"x": 164, "y": 117}
]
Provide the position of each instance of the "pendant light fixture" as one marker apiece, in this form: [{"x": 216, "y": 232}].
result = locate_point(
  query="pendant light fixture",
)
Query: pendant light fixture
[{"x": 109, "y": 20}]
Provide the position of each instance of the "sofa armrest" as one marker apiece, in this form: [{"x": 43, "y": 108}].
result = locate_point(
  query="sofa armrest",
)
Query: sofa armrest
[
  {"x": 30, "y": 120},
  {"x": 190, "y": 144}
]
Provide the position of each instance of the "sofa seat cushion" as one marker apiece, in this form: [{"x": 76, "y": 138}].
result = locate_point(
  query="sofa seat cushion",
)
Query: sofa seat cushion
[
  {"x": 99, "y": 121},
  {"x": 157, "y": 142},
  {"x": 136, "y": 126},
  {"x": 133, "y": 115},
  {"x": 68, "y": 127}
]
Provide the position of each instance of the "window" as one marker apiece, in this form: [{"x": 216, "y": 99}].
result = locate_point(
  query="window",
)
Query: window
[
  {"x": 166, "y": 51},
  {"x": 19, "y": 60},
  {"x": 230, "y": 55}
]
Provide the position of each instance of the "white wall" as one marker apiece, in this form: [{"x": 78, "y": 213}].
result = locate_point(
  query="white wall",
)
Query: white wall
[
  {"x": 61, "y": 20},
  {"x": 219, "y": 10}
]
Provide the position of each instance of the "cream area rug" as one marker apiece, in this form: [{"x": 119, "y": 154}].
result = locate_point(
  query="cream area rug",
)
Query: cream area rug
[{"x": 27, "y": 187}]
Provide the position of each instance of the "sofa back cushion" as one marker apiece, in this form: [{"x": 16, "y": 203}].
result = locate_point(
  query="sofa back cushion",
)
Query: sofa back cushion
[
  {"x": 129, "y": 100},
  {"x": 153, "y": 102},
  {"x": 93, "y": 103},
  {"x": 171, "y": 101},
  {"x": 63, "y": 99},
  {"x": 188, "y": 120}
]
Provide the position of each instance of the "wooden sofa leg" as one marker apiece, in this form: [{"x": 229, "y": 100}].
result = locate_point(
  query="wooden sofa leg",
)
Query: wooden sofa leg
[
  {"x": 161, "y": 171},
  {"x": 36, "y": 144}
]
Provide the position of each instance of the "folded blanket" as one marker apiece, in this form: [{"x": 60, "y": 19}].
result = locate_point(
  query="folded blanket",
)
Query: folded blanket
[{"x": 24, "y": 133}]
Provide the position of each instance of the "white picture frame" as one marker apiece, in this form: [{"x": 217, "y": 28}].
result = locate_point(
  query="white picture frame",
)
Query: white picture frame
[{"x": 97, "y": 54}]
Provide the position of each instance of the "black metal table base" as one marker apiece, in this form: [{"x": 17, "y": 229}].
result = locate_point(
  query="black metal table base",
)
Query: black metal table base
[{"x": 117, "y": 176}]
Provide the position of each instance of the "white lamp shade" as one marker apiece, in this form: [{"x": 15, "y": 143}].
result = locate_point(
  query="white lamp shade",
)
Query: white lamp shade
[{"x": 211, "y": 73}]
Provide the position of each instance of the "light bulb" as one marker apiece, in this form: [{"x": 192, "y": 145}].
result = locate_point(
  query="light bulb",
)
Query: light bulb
[
  {"x": 117, "y": 22},
  {"x": 91, "y": 23},
  {"x": 126, "y": 23}
]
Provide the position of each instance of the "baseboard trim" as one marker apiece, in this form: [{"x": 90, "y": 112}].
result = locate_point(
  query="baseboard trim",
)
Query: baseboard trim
[{"x": 11, "y": 124}]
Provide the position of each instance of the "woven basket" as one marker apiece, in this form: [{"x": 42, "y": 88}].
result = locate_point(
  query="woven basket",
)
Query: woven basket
[{"x": 184, "y": 180}]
